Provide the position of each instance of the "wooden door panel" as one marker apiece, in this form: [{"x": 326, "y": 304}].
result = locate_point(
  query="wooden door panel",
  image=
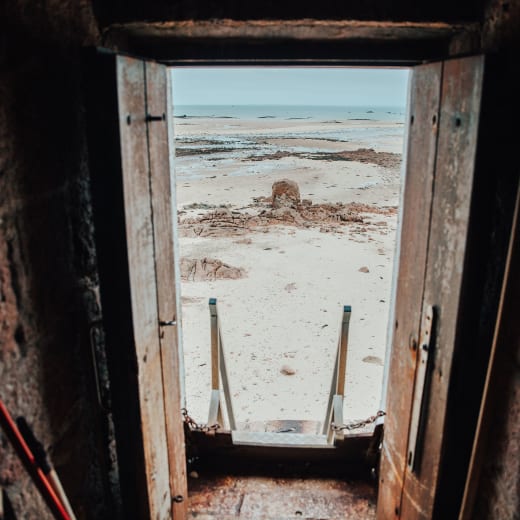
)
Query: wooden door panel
[
  {"x": 454, "y": 172},
  {"x": 162, "y": 184},
  {"x": 445, "y": 106},
  {"x": 142, "y": 278},
  {"x": 133, "y": 194},
  {"x": 416, "y": 207}
]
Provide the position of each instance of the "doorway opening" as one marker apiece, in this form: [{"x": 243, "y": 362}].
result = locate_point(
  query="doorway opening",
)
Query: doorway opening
[
  {"x": 288, "y": 187},
  {"x": 444, "y": 183}
]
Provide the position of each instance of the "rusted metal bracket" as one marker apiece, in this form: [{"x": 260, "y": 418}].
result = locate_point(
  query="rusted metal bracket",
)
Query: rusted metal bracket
[
  {"x": 421, "y": 388},
  {"x": 374, "y": 449}
]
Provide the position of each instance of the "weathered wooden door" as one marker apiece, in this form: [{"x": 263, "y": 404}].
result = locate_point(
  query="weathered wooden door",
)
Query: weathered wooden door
[
  {"x": 441, "y": 150},
  {"x": 131, "y": 156}
]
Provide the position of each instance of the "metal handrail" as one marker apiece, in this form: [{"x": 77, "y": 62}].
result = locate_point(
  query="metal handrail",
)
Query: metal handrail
[
  {"x": 334, "y": 413},
  {"x": 220, "y": 380},
  {"x": 218, "y": 374}
]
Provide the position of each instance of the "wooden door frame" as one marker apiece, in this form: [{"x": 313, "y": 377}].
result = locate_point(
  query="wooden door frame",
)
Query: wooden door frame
[{"x": 488, "y": 273}]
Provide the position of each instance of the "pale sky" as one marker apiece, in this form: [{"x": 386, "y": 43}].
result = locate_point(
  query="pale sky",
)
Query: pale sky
[{"x": 290, "y": 86}]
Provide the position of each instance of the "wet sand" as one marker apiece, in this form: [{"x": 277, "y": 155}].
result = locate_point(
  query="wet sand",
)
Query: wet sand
[{"x": 297, "y": 268}]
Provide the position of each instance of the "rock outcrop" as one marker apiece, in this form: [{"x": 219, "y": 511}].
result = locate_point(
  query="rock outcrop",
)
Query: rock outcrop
[
  {"x": 198, "y": 270},
  {"x": 285, "y": 194}
]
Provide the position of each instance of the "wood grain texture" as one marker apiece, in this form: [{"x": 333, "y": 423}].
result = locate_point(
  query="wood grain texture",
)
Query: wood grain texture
[
  {"x": 162, "y": 186},
  {"x": 454, "y": 172},
  {"x": 416, "y": 207},
  {"x": 141, "y": 269},
  {"x": 292, "y": 29}
]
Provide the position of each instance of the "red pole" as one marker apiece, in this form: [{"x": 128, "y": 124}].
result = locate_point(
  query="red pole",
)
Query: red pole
[{"x": 29, "y": 462}]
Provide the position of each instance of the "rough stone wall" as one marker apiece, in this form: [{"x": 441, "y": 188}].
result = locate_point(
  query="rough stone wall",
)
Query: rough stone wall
[
  {"x": 498, "y": 495},
  {"x": 48, "y": 277},
  {"x": 500, "y": 26},
  {"x": 498, "y": 492}
]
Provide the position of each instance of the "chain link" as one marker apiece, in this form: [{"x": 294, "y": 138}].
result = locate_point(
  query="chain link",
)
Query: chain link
[
  {"x": 357, "y": 424},
  {"x": 208, "y": 428},
  {"x": 194, "y": 426}
]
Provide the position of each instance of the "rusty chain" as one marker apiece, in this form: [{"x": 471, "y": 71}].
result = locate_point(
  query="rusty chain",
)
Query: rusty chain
[
  {"x": 357, "y": 424},
  {"x": 209, "y": 428},
  {"x": 194, "y": 426}
]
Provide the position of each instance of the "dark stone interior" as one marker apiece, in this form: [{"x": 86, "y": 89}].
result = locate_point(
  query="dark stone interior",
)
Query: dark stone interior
[{"x": 49, "y": 289}]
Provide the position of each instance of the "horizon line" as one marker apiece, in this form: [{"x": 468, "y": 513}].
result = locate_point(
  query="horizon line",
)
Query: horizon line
[{"x": 279, "y": 105}]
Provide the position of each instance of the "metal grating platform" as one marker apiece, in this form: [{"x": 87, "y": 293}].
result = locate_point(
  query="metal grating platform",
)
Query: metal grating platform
[{"x": 281, "y": 440}]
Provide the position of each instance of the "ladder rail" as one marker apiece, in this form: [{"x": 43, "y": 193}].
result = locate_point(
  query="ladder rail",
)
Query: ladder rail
[
  {"x": 219, "y": 375},
  {"x": 220, "y": 380},
  {"x": 334, "y": 412}
]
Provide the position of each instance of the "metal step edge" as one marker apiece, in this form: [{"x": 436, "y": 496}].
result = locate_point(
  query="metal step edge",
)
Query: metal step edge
[{"x": 280, "y": 440}]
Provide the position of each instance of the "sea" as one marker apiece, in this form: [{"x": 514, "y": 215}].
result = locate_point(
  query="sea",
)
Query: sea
[{"x": 323, "y": 113}]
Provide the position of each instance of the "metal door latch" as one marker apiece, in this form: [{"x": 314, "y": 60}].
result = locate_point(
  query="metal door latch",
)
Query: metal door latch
[{"x": 421, "y": 387}]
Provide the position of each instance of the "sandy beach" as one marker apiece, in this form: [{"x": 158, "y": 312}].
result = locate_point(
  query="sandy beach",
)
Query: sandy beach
[{"x": 282, "y": 276}]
